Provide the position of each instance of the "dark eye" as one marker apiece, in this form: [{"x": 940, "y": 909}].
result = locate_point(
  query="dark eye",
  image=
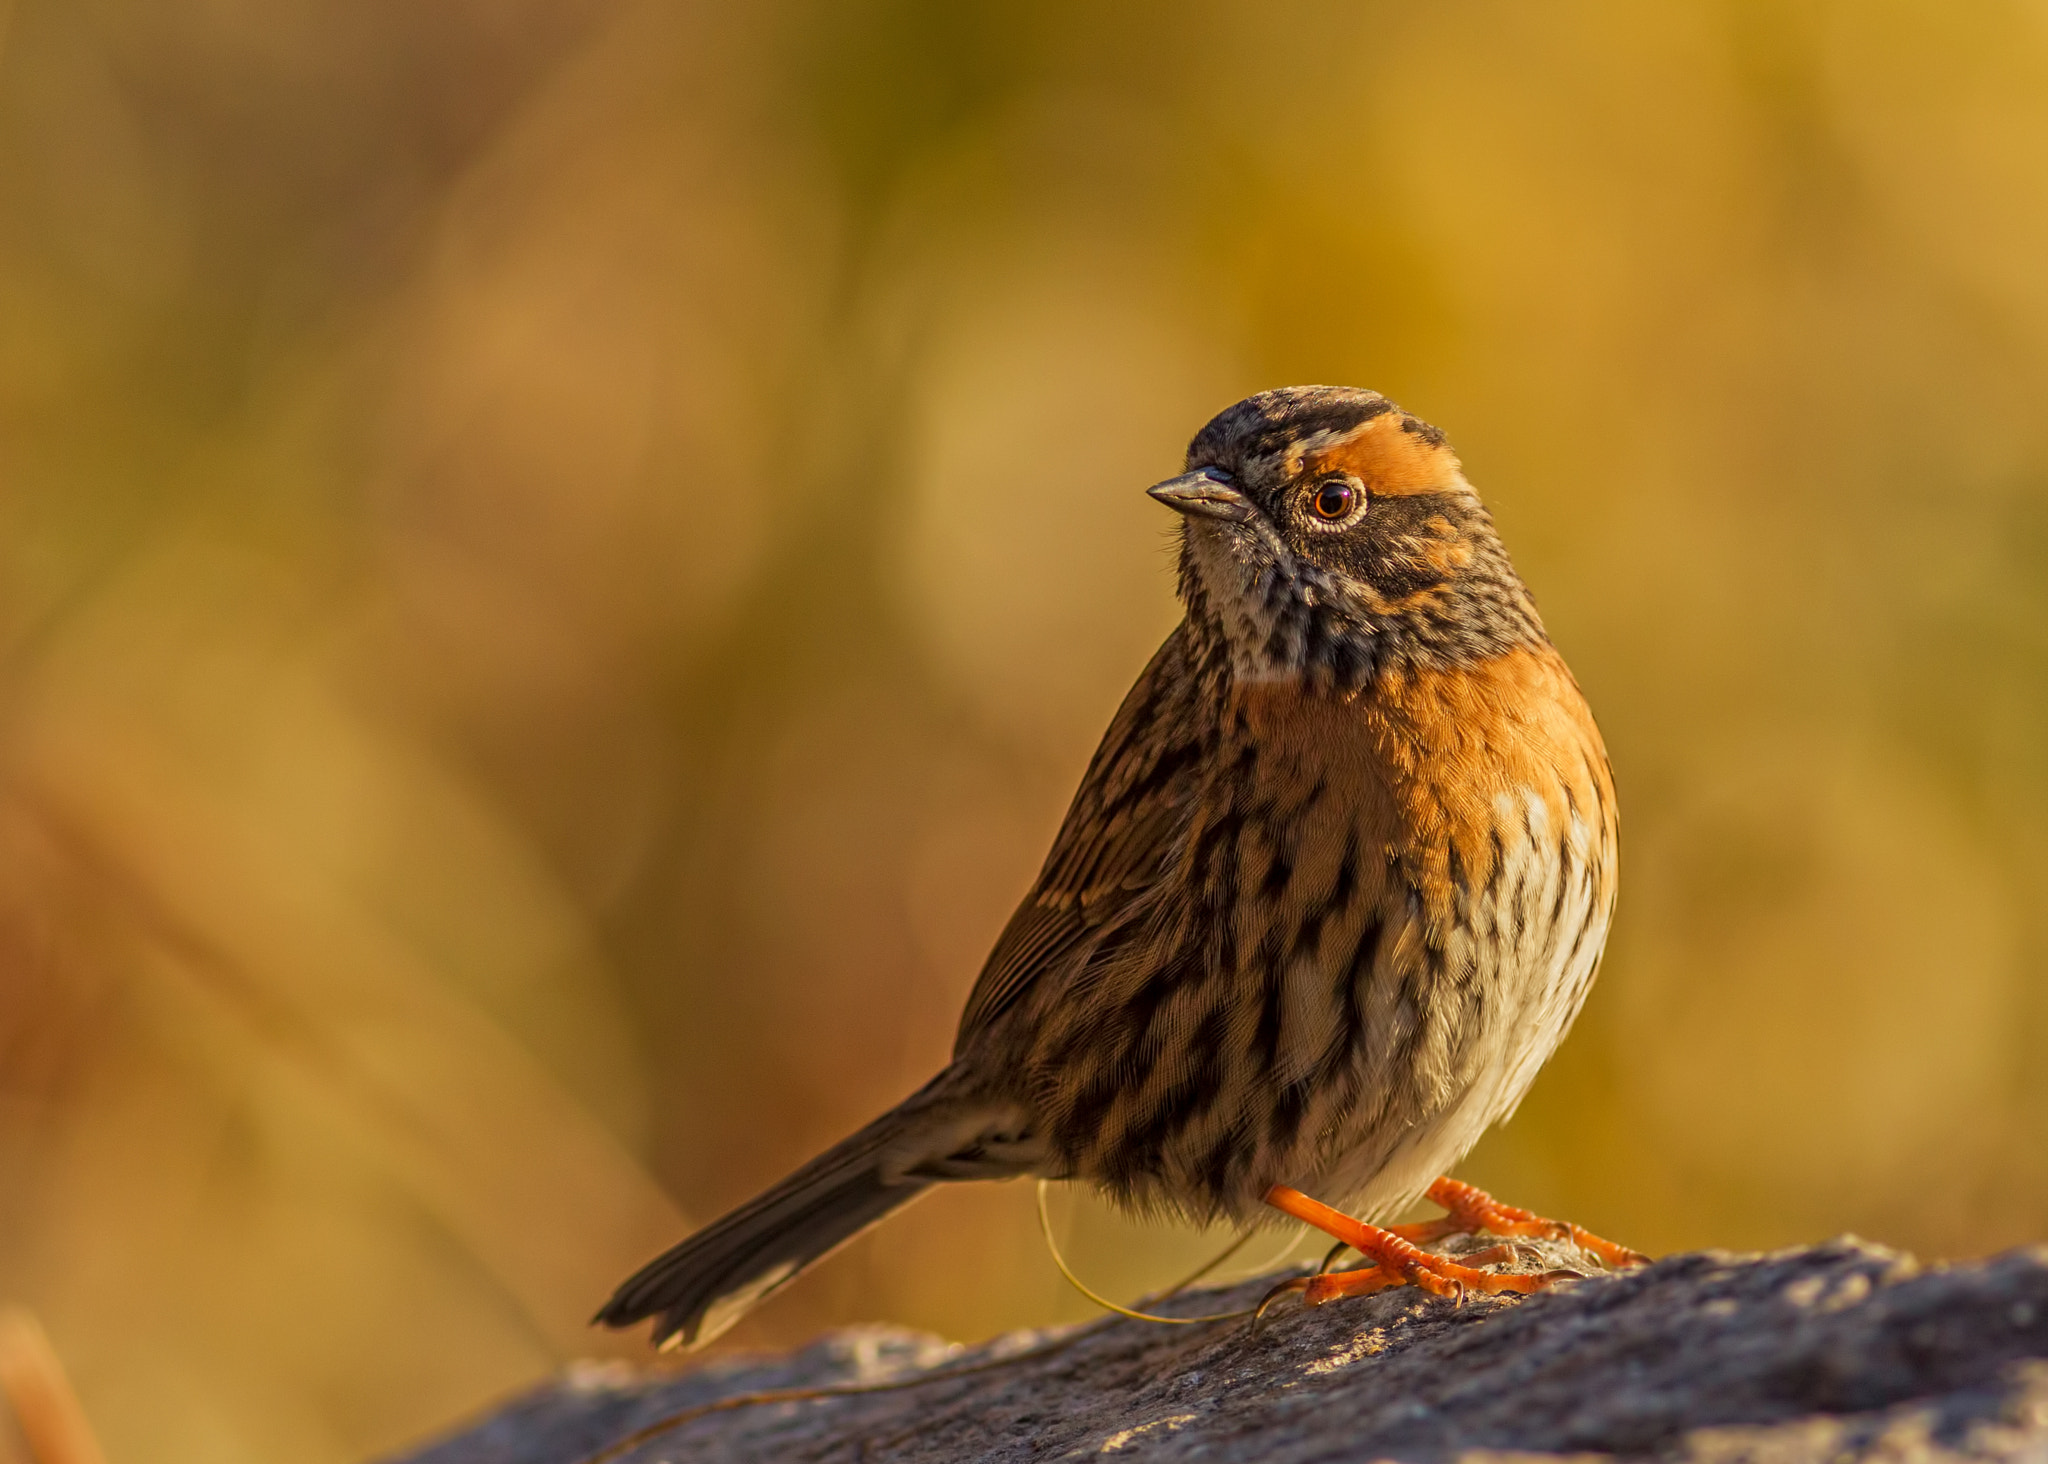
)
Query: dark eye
[{"x": 1333, "y": 500}]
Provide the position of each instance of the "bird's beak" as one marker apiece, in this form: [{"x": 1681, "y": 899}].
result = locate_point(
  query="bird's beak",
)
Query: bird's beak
[{"x": 1203, "y": 494}]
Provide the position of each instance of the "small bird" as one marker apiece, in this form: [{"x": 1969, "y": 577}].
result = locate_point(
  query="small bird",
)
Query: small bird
[{"x": 1334, "y": 886}]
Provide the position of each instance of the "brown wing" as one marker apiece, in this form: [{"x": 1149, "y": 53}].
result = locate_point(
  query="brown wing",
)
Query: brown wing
[{"x": 1119, "y": 837}]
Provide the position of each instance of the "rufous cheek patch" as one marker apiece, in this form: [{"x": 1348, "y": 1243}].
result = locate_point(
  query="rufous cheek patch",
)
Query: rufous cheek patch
[
  {"x": 1390, "y": 460},
  {"x": 1445, "y": 550}
]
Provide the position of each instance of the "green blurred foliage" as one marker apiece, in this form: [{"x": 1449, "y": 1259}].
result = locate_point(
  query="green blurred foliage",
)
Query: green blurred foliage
[{"x": 560, "y": 559}]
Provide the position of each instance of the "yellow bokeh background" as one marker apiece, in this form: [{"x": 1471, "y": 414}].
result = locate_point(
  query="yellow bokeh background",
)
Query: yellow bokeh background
[{"x": 560, "y": 559}]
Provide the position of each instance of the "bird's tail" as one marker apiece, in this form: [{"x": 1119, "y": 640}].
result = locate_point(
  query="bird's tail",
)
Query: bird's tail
[{"x": 702, "y": 1286}]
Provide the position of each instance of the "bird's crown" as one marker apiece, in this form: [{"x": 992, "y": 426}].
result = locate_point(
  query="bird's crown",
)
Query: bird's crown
[{"x": 1277, "y": 435}]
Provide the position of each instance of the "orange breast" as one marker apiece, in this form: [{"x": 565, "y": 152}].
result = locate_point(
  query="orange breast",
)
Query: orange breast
[{"x": 1426, "y": 762}]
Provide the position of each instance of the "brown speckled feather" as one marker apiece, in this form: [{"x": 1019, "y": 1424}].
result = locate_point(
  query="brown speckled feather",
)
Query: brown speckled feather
[
  {"x": 1362, "y": 908},
  {"x": 1118, "y": 837}
]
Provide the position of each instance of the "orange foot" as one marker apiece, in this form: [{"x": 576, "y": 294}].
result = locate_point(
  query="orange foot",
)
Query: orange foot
[
  {"x": 1472, "y": 1211},
  {"x": 1397, "y": 1260}
]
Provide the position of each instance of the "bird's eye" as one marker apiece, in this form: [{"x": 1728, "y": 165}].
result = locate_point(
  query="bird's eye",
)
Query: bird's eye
[{"x": 1333, "y": 500}]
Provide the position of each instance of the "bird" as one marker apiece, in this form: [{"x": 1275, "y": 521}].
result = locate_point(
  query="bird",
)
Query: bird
[{"x": 1332, "y": 889}]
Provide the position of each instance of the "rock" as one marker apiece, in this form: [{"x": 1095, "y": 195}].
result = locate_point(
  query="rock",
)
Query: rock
[{"x": 1828, "y": 1354}]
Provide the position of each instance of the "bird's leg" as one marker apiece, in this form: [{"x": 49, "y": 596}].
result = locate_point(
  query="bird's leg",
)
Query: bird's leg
[
  {"x": 1395, "y": 1259},
  {"x": 1472, "y": 1211}
]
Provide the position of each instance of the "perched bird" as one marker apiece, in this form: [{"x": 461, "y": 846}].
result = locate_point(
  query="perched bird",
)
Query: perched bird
[{"x": 1333, "y": 887}]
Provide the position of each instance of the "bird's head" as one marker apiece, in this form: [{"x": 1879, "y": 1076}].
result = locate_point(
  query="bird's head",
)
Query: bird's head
[{"x": 1328, "y": 534}]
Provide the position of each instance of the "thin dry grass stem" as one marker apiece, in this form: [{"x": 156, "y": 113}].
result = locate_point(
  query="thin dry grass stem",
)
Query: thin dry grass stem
[
  {"x": 46, "y": 1410},
  {"x": 1052, "y": 1246}
]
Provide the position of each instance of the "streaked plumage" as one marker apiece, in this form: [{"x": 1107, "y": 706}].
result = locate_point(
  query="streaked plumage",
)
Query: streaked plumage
[{"x": 1333, "y": 888}]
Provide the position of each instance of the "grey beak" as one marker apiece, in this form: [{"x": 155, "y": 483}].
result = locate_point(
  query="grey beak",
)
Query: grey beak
[{"x": 1203, "y": 494}]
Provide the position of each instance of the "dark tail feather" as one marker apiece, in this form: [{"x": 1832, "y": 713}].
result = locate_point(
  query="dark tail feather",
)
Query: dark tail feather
[{"x": 704, "y": 1285}]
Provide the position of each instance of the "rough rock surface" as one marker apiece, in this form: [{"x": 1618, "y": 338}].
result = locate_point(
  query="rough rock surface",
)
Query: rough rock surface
[{"x": 1833, "y": 1353}]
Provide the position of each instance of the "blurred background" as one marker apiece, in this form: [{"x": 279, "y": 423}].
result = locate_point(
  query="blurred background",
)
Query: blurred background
[{"x": 560, "y": 560}]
